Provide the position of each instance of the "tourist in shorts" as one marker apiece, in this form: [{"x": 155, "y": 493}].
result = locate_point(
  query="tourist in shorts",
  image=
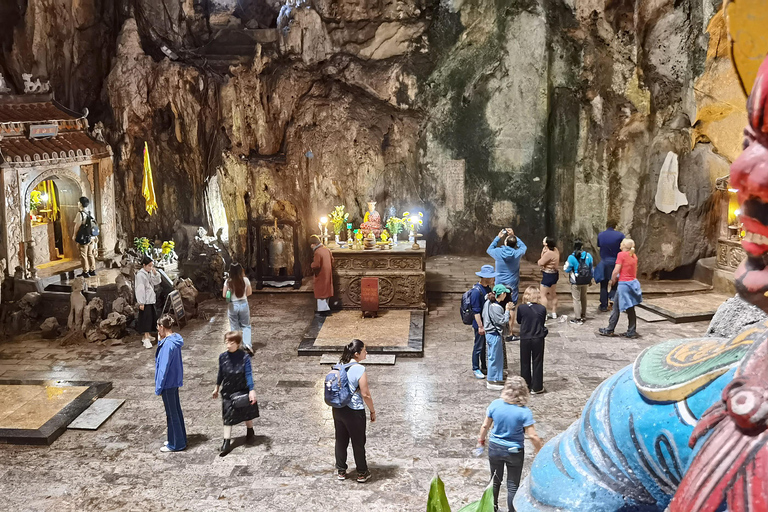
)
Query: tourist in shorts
[
  {"x": 628, "y": 292},
  {"x": 550, "y": 273},
  {"x": 509, "y": 421},
  {"x": 238, "y": 398}
]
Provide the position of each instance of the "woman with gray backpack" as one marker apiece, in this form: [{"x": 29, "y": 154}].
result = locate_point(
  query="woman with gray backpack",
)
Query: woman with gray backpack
[{"x": 346, "y": 390}]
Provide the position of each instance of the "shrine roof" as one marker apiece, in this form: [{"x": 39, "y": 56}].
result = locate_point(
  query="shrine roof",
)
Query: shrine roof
[
  {"x": 65, "y": 147},
  {"x": 33, "y": 109}
]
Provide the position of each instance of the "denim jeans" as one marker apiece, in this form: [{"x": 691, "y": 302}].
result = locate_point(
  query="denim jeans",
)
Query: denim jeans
[
  {"x": 478, "y": 353},
  {"x": 631, "y": 317},
  {"x": 495, "y": 357},
  {"x": 177, "y": 433},
  {"x": 605, "y": 294},
  {"x": 240, "y": 320},
  {"x": 499, "y": 457}
]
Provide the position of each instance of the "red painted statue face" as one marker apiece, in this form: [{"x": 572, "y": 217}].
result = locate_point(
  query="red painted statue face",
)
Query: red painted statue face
[{"x": 749, "y": 175}]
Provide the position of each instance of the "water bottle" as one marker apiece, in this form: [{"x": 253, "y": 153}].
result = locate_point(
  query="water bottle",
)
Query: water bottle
[{"x": 478, "y": 451}]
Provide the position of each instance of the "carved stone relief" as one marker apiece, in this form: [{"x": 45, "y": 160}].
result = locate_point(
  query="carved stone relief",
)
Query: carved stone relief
[{"x": 12, "y": 217}]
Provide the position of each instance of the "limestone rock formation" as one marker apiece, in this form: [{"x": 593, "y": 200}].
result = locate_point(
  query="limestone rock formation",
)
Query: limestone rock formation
[
  {"x": 113, "y": 327},
  {"x": 92, "y": 317},
  {"x": 550, "y": 116},
  {"x": 50, "y": 328}
]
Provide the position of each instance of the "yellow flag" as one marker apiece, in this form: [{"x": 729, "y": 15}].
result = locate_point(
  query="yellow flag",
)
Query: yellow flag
[{"x": 147, "y": 185}]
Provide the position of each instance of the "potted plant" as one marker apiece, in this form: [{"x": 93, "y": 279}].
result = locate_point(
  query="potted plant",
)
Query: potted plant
[{"x": 338, "y": 218}]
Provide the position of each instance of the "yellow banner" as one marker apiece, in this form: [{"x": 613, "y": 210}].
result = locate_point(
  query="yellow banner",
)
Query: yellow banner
[{"x": 148, "y": 185}]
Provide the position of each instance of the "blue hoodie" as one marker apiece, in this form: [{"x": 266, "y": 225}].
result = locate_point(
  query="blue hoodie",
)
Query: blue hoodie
[
  {"x": 169, "y": 372},
  {"x": 507, "y": 261}
]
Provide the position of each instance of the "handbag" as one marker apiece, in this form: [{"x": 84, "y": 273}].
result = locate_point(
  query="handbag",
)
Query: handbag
[{"x": 241, "y": 401}]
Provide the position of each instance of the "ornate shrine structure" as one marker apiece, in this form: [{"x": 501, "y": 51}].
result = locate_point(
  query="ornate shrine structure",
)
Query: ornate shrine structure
[
  {"x": 401, "y": 272},
  {"x": 45, "y": 146}
]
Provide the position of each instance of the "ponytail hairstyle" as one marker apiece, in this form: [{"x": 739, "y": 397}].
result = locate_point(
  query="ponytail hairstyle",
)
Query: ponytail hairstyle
[
  {"x": 236, "y": 281},
  {"x": 355, "y": 346},
  {"x": 628, "y": 245},
  {"x": 167, "y": 321}
]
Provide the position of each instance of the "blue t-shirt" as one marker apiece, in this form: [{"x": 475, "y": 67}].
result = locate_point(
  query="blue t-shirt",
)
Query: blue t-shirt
[
  {"x": 477, "y": 300},
  {"x": 609, "y": 242},
  {"x": 509, "y": 422},
  {"x": 354, "y": 374}
]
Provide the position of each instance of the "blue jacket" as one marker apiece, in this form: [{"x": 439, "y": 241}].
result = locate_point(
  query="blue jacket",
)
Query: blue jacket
[
  {"x": 507, "y": 261},
  {"x": 572, "y": 264},
  {"x": 169, "y": 372}
]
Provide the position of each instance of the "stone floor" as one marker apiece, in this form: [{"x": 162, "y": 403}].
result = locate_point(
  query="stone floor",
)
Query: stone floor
[{"x": 429, "y": 412}]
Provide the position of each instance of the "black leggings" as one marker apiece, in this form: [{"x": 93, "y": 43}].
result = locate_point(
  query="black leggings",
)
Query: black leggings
[{"x": 350, "y": 425}]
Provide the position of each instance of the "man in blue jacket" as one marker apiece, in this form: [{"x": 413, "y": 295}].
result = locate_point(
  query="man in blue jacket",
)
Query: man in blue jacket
[
  {"x": 169, "y": 376},
  {"x": 477, "y": 300},
  {"x": 507, "y": 257},
  {"x": 609, "y": 242}
]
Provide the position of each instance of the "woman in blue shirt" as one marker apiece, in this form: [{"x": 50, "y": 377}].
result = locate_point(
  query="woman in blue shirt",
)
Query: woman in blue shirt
[
  {"x": 169, "y": 377},
  {"x": 509, "y": 421},
  {"x": 238, "y": 399}
]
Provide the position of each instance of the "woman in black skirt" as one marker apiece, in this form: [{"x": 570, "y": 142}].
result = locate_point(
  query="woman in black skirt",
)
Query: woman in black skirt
[
  {"x": 238, "y": 399},
  {"x": 146, "y": 280}
]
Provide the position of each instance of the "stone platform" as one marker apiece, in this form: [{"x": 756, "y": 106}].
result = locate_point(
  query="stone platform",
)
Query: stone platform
[
  {"x": 37, "y": 412},
  {"x": 396, "y": 331},
  {"x": 688, "y": 308}
]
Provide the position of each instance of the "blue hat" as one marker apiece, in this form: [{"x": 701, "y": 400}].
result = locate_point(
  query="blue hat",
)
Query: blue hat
[{"x": 486, "y": 271}]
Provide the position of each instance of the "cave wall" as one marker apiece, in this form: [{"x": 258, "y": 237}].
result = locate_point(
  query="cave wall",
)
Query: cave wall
[{"x": 549, "y": 116}]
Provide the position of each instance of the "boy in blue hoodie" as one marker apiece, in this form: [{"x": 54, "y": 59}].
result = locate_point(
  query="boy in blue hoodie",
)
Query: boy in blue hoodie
[{"x": 169, "y": 374}]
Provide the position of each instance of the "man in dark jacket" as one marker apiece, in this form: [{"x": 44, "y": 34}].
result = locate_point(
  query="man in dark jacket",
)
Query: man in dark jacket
[
  {"x": 609, "y": 242},
  {"x": 477, "y": 300}
]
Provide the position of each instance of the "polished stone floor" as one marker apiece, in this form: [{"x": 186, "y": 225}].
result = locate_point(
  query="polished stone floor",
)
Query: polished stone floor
[{"x": 429, "y": 411}]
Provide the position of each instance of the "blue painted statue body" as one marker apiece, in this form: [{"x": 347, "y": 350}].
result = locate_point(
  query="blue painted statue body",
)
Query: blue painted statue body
[{"x": 626, "y": 453}]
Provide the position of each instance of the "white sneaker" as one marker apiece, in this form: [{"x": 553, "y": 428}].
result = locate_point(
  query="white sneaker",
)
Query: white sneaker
[
  {"x": 495, "y": 387},
  {"x": 147, "y": 343},
  {"x": 553, "y": 315},
  {"x": 165, "y": 449}
]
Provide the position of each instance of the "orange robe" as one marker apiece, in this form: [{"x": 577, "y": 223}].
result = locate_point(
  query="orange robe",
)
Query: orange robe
[{"x": 322, "y": 266}]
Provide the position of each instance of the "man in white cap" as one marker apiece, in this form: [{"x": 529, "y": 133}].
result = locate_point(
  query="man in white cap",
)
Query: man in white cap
[{"x": 477, "y": 299}]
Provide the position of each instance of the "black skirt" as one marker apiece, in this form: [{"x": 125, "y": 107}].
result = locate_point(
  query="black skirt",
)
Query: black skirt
[{"x": 147, "y": 320}]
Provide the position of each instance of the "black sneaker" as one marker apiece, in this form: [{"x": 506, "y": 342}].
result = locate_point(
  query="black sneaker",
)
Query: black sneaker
[
  {"x": 631, "y": 335},
  {"x": 250, "y": 436},
  {"x": 341, "y": 474},
  {"x": 576, "y": 321},
  {"x": 363, "y": 477},
  {"x": 92, "y": 273}
]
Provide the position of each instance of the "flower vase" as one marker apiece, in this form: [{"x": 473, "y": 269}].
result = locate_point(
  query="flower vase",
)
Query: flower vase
[
  {"x": 394, "y": 239},
  {"x": 411, "y": 237},
  {"x": 337, "y": 238}
]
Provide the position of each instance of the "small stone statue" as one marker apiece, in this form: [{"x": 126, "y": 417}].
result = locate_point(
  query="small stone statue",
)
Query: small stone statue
[
  {"x": 98, "y": 132},
  {"x": 76, "y": 305},
  {"x": 180, "y": 240},
  {"x": 31, "y": 270},
  {"x": 373, "y": 222},
  {"x": 34, "y": 87}
]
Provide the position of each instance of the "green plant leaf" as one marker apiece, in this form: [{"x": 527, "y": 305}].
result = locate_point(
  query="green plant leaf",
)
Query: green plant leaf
[
  {"x": 437, "y": 500},
  {"x": 485, "y": 504}
]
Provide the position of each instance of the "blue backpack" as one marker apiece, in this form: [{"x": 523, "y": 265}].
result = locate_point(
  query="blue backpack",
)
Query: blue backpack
[{"x": 337, "y": 393}]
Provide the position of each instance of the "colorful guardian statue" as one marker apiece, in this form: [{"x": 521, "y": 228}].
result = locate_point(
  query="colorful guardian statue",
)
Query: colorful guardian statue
[{"x": 685, "y": 428}]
